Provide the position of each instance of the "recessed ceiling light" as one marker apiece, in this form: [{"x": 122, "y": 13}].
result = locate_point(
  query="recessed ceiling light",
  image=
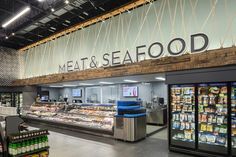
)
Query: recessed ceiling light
[
  {"x": 66, "y": 1},
  {"x": 101, "y": 8},
  {"x": 41, "y": 0},
  {"x": 132, "y": 81},
  {"x": 6, "y": 37},
  {"x": 106, "y": 82},
  {"x": 53, "y": 28},
  {"x": 67, "y": 21},
  {"x": 85, "y": 13},
  {"x": 81, "y": 17},
  {"x": 52, "y": 9},
  {"x": 21, "y": 13},
  {"x": 13, "y": 34},
  {"x": 160, "y": 78}
]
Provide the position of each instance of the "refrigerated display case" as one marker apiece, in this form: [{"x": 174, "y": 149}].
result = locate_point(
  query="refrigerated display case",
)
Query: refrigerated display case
[
  {"x": 90, "y": 116},
  {"x": 213, "y": 117},
  {"x": 11, "y": 99},
  {"x": 182, "y": 101},
  {"x": 233, "y": 118},
  {"x": 200, "y": 118}
]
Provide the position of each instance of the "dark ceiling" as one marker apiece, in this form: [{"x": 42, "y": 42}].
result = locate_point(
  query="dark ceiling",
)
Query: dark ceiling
[{"x": 40, "y": 22}]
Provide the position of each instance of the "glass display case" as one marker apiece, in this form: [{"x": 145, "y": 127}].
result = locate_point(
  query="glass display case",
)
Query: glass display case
[{"x": 95, "y": 116}]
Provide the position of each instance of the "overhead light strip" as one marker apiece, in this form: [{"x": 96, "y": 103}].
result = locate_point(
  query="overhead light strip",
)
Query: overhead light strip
[{"x": 21, "y": 13}]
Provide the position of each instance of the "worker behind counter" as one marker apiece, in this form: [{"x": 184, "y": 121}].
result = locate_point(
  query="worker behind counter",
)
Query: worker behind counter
[{"x": 38, "y": 99}]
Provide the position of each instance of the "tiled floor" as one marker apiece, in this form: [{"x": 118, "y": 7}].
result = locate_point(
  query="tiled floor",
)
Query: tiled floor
[{"x": 92, "y": 146}]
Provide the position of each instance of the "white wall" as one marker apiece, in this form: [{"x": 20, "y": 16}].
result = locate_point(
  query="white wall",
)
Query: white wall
[
  {"x": 146, "y": 91},
  {"x": 161, "y": 21}
]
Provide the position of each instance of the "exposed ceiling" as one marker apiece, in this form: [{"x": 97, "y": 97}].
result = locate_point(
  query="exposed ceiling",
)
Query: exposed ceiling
[{"x": 41, "y": 22}]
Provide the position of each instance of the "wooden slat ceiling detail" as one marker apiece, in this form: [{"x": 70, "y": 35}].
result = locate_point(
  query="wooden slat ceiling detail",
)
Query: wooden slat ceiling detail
[{"x": 118, "y": 11}]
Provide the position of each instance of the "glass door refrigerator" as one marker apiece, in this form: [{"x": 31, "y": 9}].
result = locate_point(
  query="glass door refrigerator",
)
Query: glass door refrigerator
[
  {"x": 213, "y": 118},
  {"x": 182, "y": 116},
  {"x": 233, "y": 118}
]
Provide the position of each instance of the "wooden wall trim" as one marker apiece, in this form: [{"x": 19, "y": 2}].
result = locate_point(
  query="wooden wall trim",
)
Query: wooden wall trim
[
  {"x": 107, "y": 15},
  {"x": 208, "y": 59}
]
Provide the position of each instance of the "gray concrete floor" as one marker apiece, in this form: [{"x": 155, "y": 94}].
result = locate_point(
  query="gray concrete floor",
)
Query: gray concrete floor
[{"x": 64, "y": 145}]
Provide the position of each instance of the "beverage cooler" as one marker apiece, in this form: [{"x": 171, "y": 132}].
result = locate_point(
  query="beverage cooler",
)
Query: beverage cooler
[{"x": 202, "y": 119}]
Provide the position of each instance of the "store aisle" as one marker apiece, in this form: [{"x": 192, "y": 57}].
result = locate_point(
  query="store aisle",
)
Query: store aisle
[{"x": 92, "y": 146}]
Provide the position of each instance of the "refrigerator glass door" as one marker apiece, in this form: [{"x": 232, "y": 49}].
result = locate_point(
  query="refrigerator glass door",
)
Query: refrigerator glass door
[
  {"x": 233, "y": 117},
  {"x": 212, "y": 117},
  {"x": 182, "y": 106}
]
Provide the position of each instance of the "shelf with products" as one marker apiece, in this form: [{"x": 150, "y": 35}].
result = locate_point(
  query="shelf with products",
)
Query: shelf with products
[
  {"x": 28, "y": 143},
  {"x": 212, "y": 117},
  {"x": 183, "y": 113},
  {"x": 233, "y": 115},
  {"x": 95, "y": 116}
]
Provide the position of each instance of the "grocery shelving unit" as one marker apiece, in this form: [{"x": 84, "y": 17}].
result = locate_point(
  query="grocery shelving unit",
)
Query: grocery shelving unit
[{"x": 26, "y": 142}]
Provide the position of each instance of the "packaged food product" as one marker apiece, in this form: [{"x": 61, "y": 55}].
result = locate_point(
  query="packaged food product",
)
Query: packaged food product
[
  {"x": 200, "y": 108},
  {"x": 210, "y": 128},
  {"x": 192, "y": 126},
  {"x": 187, "y": 125},
  {"x": 234, "y": 131},
  {"x": 204, "y": 118},
  {"x": 185, "y": 108},
  {"x": 216, "y": 129},
  {"x": 212, "y": 98},
  {"x": 211, "y": 138},
  {"x": 214, "y": 90},
  {"x": 182, "y": 126},
  {"x": 188, "y": 135},
  {"x": 221, "y": 140},
  {"x": 223, "y": 90},
  {"x": 223, "y": 129},
  {"x": 203, "y": 90},
  {"x": 185, "y": 117},
  {"x": 203, "y": 127},
  {"x": 210, "y": 118},
  {"x": 202, "y": 138},
  {"x": 190, "y": 117},
  {"x": 220, "y": 119},
  {"x": 181, "y": 117}
]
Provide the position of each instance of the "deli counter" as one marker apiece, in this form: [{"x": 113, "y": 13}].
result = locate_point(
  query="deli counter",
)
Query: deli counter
[{"x": 89, "y": 117}]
